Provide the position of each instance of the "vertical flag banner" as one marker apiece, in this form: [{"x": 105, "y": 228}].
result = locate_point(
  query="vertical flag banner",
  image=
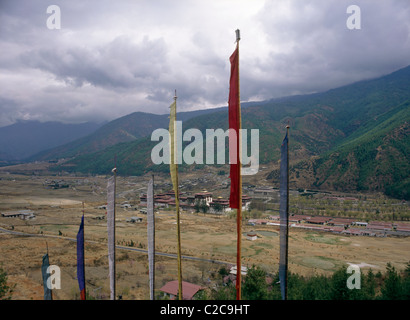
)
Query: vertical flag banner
[
  {"x": 284, "y": 215},
  {"x": 47, "y": 291},
  {"x": 80, "y": 260},
  {"x": 234, "y": 127},
  {"x": 111, "y": 233},
  {"x": 173, "y": 166},
  {"x": 174, "y": 177},
  {"x": 235, "y": 198},
  {"x": 151, "y": 236}
]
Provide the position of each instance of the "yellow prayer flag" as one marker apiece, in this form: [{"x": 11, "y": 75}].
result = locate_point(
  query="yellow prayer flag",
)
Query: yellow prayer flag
[
  {"x": 173, "y": 163},
  {"x": 174, "y": 177}
]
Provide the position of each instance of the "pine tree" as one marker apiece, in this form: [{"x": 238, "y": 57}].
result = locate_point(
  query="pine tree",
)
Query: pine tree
[
  {"x": 255, "y": 286},
  {"x": 5, "y": 290},
  {"x": 406, "y": 283},
  {"x": 391, "y": 289},
  {"x": 339, "y": 289},
  {"x": 369, "y": 288}
]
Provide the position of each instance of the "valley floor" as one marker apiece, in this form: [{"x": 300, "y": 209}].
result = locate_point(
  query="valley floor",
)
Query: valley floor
[{"x": 57, "y": 203}]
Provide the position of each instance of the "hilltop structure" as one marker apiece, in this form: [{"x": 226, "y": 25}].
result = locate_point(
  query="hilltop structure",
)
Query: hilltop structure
[{"x": 217, "y": 205}]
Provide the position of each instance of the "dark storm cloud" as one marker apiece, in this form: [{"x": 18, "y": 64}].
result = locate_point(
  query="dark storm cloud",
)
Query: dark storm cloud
[
  {"x": 117, "y": 64},
  {"x": 320, "y": 52},
  {"x": 111, "y": 58}
]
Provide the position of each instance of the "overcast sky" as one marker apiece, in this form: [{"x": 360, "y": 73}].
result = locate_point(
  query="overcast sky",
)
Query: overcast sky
[{"x": 111, "y": 58}]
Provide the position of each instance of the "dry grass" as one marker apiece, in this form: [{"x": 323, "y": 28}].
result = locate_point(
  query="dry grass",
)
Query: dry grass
[{"x": 58, "y": 214}]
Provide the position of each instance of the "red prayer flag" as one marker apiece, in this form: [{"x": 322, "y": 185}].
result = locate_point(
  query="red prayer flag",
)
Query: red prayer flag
[{"x": 234, "y": 126}]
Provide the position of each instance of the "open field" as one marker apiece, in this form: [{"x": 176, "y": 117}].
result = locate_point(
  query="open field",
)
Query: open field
[{"x": 210, "y": 237}]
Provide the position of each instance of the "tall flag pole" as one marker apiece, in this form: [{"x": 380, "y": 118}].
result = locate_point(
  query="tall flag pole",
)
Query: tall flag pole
[
  {"x": 174, "y": 177},
  {"x": 111, "y": 186},
  {"x": 48, "y": 295},
  {"x": 80, "y": 260},
  {"x": 235, "y": 199},
  {"x": 284, "y": 215},
  {"x": 151, "y": 236}
]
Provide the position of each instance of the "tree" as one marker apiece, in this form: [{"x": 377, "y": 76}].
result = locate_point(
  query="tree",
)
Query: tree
[
  {"x": 391, "y": 289},
  {"x": 203, "y": 206},
  {"x": 218, "y": 207},
  {"x": 296, "y": 285},
  {"x": 223, "y": 272},
  {"x": 339, "y": 289},
  {"x": 197, "y": 206},
  {"x": 369, "y": 289},
  {"x": 5, "y": 290},
  {"x": 391, "y": 285},
  {"x": 406, "y": 283},
  {"x": 317, "y": 288},
  {"x": 255, "y": 286},
  {"x": 227, "y": 292}
]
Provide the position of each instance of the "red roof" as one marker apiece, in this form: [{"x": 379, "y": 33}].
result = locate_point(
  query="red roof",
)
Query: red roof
[
  {"x": 164, "y": 200},
  {"x": 403, "y": 228},
  {"x": 188, "y": 289},
  {"x": 318, "y": 220},
  {"x": 379, "y": 225},
  {"x": 300, "y": 217},
  {"x": 206, "y": 194}
]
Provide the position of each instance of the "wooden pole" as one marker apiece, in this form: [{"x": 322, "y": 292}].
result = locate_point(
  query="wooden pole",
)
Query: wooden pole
[
  {"x": 287, "y": 213},
  {"x": 180, "y": 296},
  {"x": 239, "y": 211}
]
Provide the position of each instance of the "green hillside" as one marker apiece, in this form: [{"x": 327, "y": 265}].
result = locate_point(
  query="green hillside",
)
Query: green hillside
[
  {"x": 125, "y": 129},
  {"x": 377, "y": 160},
  {"x": 350, "y": 138}
]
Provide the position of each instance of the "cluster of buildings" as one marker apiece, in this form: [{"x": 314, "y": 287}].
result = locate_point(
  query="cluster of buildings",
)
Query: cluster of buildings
[
  {"x": 22, "y": 214},
  {"x": 56, "y": 184},
  {"x": 187, "y": 202},
  {"x": 347, "y": 226}
]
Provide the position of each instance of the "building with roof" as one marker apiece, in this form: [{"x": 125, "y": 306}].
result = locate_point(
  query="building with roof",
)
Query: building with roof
[
  {"x": 134, "y": 219},
  {"x": 189, "y": 290},
  {"x": 360, "y": 223},
  {"x": 204, "y": 195},
  {"x": 22, "y": 214},
  {"x": 251, "y": 236},
  {"x": 380, "y": 226},
  {"x": 340, "y": 222},
  {"x": 318, "y": 220},
  {"x": 265, "y": 192},
  {"x": 187, "y": 202},
  {"x": 219, "y": 205},
  {"x": 258, "y": 221},
  {"x": 234, "y": 270},
  {"x": 246, "y": 201},
  {"x": 298, "y": 218}
]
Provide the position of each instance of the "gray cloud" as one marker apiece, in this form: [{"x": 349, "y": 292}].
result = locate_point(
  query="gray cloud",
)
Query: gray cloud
[
  {"x": 320, "y": 52},
  {"x": 113, "y": 58},
  {"x": 117, "y": 64}
]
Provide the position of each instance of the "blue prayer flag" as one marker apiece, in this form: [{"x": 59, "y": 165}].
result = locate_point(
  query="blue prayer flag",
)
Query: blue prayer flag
[{"x": 80, "y": 259}]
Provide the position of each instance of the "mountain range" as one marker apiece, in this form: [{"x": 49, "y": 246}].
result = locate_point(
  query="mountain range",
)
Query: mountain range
[
  {"x": 26, "y": 138},
  {"x": 125, "y": 129},
  {"x": 351, "y": 138}
]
